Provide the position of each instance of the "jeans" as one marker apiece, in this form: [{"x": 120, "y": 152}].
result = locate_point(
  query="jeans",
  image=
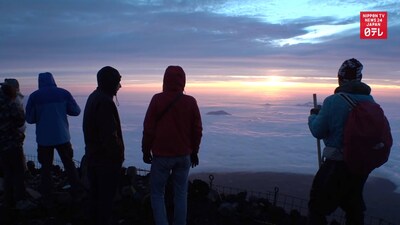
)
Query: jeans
[
  {"x": 12, "y": 162},
  {"x": 334, "y": 186},
  {"x": 103, "y": 182},
  {"x": 46, "y": 157},
  {"x": 177, "y": 169}
]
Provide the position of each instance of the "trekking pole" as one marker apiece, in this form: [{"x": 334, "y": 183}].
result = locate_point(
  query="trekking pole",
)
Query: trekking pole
[{"x": 318, "y": 140}]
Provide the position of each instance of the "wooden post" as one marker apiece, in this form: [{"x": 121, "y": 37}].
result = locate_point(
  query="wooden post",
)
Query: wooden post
[{"x": 318, "y": 140}]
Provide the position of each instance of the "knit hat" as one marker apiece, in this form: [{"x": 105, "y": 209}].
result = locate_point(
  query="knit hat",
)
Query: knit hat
[
  {"x": 350, "y": 70},
  {"x": 13, "y": 83}
]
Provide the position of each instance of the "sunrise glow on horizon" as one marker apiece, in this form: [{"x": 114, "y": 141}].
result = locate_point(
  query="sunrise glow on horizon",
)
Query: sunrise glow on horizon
[
  {"x": 271, "y": 88},
  {"x": 262, "y": 87}
]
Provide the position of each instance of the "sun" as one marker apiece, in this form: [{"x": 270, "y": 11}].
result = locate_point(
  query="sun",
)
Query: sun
[{"x": 276, "y": 82}]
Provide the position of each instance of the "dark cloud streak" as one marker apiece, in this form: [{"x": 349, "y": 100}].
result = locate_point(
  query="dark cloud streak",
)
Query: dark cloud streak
[{"x": 95, "y": 32}]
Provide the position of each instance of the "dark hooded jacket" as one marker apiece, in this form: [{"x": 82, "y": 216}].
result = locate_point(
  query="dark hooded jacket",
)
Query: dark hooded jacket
[
  {"x": 104, "y": 144},
  {"x": 178, "y": 131},
  {"x": 48, "y": 108}
]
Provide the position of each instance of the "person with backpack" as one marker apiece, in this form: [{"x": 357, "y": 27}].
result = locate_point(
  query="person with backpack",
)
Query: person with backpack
[
  {"x": 172, "y": 131},
  {"x": 336, "y": 184}
]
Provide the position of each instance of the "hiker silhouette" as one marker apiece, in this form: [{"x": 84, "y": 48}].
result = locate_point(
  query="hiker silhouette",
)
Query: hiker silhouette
[
  {"x": 172, "y": 131},
  {"x": 48, "y": 108},
  {"x": 104, "y": 145},
  {"x": 334, "y": 185}
]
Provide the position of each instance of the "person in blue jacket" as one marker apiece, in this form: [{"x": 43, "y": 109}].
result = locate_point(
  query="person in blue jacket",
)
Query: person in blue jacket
[
  {"x": 48, "y": 108},
  {"x": 334, "y": 186}
]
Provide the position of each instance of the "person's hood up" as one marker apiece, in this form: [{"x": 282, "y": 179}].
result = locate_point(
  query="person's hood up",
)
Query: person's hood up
[
  {"x": 174, "y": 79},
  {"x": 46, "y": 80},
  {"x": 108, "y": 79}
]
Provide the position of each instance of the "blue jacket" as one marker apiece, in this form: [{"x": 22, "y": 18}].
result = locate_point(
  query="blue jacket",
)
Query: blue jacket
[
  {"x": 329, "y": 123},
  {"x": 48, "y": 108}
]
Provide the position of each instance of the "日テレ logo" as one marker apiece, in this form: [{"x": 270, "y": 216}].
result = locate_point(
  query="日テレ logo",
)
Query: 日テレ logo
[{"x": 373, "y": 25}]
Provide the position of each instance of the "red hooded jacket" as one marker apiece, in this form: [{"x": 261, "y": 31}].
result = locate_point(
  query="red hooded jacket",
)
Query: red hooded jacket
[{"x": 178, "y": 131}]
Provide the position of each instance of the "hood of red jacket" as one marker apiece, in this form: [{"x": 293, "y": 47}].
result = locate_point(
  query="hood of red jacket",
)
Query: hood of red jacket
[{"x": 174, "y": 79}]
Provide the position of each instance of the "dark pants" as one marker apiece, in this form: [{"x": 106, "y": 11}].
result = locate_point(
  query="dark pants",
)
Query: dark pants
[
  {"x": 103, "y": 184},
  {"x": 334, "y": 186},
  {"x": 46, "y": 157},
  {"x": 13, "y": 167}
]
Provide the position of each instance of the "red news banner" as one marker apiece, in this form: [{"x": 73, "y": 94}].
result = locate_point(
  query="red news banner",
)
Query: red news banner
[{"x": 373, "y": 25}]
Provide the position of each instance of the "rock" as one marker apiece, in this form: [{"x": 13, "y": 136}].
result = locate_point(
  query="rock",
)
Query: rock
[{"x": 33, "y": 193}]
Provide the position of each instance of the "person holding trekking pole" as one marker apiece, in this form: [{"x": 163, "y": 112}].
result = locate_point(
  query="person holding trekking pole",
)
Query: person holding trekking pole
[{"x": 334, "y": 185}]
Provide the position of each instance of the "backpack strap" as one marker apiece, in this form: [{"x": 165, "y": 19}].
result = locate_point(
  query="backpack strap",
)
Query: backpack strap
[
  {"x": 349, "y": 100},
  {"x": 178, "y": 96}
]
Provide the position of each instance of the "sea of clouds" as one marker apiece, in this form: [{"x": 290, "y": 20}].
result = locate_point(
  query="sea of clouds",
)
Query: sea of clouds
[{"x": 253, "y": 136}]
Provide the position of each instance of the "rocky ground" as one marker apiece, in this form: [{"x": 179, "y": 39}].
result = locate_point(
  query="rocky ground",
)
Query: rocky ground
[{"x": 206, "y": 206}]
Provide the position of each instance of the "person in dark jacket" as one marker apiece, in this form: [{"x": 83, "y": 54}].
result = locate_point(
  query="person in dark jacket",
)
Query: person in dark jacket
[
  {"x": 334, "y": 185},
  {"x": 48, "y": 108},
  {"x": 104, "y": 145},
  {"x": 172, "y": 132},
  {"x": 12, "y": 118}
]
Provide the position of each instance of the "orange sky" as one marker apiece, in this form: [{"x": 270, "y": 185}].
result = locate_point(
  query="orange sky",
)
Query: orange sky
[
  {"x": 259, "y": 87},
  {"x": 272, "y": 88}
]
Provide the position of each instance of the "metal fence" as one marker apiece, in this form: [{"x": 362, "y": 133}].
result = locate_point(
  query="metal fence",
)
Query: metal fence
[
  {"x": 56, "y": 161},
  {"x": 289, "y": 203}
]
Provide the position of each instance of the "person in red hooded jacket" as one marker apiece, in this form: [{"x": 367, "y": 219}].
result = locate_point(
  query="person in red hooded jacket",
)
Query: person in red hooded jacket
[{"x": 172, "y": 132}]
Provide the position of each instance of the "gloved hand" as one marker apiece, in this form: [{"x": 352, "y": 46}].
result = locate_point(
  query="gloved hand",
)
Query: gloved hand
[
  {"x": 315, "y": 110},
  {"x": 194, "y": 160},
  {"x": 147, "y": 158}
]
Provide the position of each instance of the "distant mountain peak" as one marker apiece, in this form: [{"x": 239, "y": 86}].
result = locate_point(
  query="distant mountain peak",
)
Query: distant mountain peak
[
  {"x": 307, "y": 104},
  {"x": 218, "y": 112}
]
